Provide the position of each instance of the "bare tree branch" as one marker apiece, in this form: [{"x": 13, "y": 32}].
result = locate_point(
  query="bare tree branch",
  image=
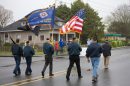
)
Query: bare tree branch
[
  {"x": 120, "y": 20},
  {"x": 6, "y": 16}
]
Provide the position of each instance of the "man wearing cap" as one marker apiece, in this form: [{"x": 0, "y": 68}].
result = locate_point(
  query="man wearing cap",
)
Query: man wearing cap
[{"x": 48, "y": 51}]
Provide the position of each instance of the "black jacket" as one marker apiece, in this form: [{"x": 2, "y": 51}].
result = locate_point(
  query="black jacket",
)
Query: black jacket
[
  {"x": 74, "y": 49},
  {"x": 17, "y": 50},
  {"x": 106, "y": 48},
  {"x": 93, "y": 50}
]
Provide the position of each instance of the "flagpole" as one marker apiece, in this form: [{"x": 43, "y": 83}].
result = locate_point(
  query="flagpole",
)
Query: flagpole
[
  {"x": 34, "y": 42},
  {"x": 12, "y": 40},
  {"x": 79, "y": 39},
  {"x": 51, "y": 32},
  {"x": 52, "y": 38},
  {"x": 55, "y": 3}
]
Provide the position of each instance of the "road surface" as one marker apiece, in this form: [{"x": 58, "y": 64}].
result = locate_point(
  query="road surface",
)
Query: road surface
[{"x": 118, "y": 73}]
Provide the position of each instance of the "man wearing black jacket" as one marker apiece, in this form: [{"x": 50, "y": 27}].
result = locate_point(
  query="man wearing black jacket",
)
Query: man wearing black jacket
[
  {"x": 17, "y": 52},
  {"x": 74, "y": 50},
  {"x": 48, "y": 50},
  {"x": 93, "y": 52},
  {"x": 106, "y": 49}
]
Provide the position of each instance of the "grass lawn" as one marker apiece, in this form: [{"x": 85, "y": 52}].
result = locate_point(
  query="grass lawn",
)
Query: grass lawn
[
  {"x": 5, "y": 53},
  {"x": 40, "y": 53}
]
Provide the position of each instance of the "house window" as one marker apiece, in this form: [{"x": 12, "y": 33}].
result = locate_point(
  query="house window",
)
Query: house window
[
  {"x": 30, "y": 38},
  {"x": 42, "y": 37},
  {"x": 6, "y": 37}
]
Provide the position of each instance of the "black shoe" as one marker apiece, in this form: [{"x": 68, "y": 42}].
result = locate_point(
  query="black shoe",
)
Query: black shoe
[
  {"x": 19, "y": 74},
  {"x": 15, "y": 74},
  {"x": 67, "y": 78},
  {"x": 28, "y": 74},
  {"x": 42, "y": 75},
  {"x": 51, "y": 74},
  {"x": 106, "y": 68},
  {"x": 94, "y": 79},
  {"x": 80, "y": 77}
]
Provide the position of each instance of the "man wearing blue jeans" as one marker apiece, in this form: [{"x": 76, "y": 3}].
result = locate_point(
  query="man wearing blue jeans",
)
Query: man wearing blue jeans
[
  {"x": 93, "y": 52},
  {"x": 17, "y": 52},
  {"x": 28, "y": 53}
]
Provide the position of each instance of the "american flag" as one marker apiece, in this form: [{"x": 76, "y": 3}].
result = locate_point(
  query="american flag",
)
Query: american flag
[{"x": 75, "y": 24}]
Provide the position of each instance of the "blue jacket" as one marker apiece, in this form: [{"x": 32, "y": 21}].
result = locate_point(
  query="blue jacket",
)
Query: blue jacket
[
  {"x": 28, "y": 51},
  {"x": 48, "y": 48},
  {"x": 61, "y": 43},
  {"x": 93, "y": 50},
  {"x": 74, "y": 49}
]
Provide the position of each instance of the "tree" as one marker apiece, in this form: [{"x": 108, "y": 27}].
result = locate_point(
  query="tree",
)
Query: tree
[
  {"x": 5, "y": 16},
  {"x": 63, "y": 12},
  {"x": 93, "y": 26},
  {"x": 120, "y": 21},
  {"x": 92, "y": 22}
]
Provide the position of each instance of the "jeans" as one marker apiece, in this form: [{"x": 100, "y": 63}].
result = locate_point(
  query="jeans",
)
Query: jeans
[
  {"x": 17, "y": 67},
  {"x": 95, "y": 63},
  {"x": 28, "y": 62}
]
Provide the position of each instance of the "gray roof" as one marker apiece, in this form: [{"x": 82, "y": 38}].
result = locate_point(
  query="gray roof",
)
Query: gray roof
[{"x": 13, "y": 27}]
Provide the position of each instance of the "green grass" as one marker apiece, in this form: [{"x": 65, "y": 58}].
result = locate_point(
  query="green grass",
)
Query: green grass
[
  {"x": 5, "y": 53},
  {"x": 40, "y": 53}
]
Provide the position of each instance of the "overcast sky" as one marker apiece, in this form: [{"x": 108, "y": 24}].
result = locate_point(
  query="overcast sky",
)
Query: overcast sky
[{"x": 22, "y": 7}]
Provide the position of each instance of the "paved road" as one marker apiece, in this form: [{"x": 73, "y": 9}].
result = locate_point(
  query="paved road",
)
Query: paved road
[{"x": 117, "y": 75}]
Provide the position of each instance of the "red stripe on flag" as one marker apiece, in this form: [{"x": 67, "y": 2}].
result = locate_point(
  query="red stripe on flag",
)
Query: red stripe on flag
[
  {"x": 77, "y": 30},
  {"x": 75, "y": 24},
  {"x": 78, "y": 25}
]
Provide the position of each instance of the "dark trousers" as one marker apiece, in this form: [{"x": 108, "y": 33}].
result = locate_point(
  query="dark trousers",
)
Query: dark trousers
[
  {"x": 74, "y": 59},
  {"x": 56, "y": 52},
  {"x": 17, "y": 66},
  {"x": 48, "y": 61},
  {"x": 28, "y": 62}
]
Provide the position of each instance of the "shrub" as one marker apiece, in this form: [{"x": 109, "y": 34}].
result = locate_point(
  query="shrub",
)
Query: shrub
[{"x": 7, "y": 44}]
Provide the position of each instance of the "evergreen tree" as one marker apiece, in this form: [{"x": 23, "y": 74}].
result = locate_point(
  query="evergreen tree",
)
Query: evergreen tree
[{"x": 92, "y": 27}]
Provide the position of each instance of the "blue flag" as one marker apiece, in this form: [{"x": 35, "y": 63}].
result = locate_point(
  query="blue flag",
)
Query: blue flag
[
  {"x": 42, "y": 16},
  {"x": 25, "y": 27},
  {"x": 81, "y": 13}
]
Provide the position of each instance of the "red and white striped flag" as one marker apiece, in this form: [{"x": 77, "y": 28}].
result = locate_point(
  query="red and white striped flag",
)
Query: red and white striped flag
[{"x": 75, "y": 24}]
